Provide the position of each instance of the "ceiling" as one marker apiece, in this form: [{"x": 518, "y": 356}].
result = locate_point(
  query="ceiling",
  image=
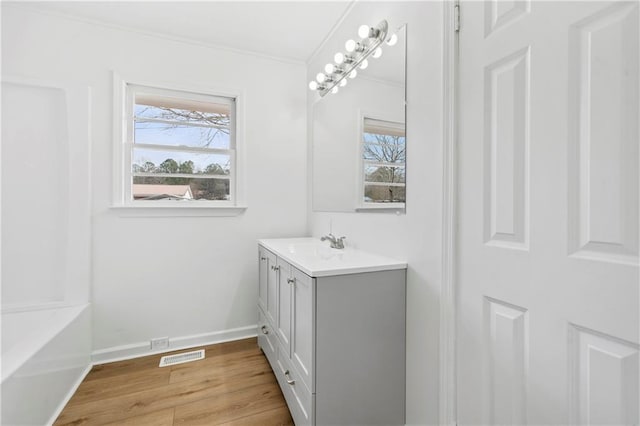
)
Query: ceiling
[{"x": 290, "y": 30}]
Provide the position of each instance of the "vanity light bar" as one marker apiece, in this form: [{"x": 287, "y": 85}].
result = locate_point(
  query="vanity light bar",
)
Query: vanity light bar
[{"x": 345, "y": 64}]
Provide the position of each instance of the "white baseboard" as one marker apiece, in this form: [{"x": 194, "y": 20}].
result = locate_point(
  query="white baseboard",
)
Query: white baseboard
[
  {"x": 72, "y": 391},
  {"x": 136, "y": 350}
]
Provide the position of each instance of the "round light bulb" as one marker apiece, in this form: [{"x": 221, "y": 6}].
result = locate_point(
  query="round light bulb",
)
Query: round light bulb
[
  {"x": 339, "y": 58},
  {"x": 320, "y": 78},
  {"x": 353, "y": 74},
  {"x": 329, "y": 68},
  {"x": 363, "y": 31},
  {"x": 392, "y": 40},
  {"x": 350, "y": 45},
  {"x": 334, "y": 90},
  {"x": 343, "y": 82},
  {"x": 364, "y": 64},
  {"x": 313, "y": 85},
  {"x": 377, "y": 53}
]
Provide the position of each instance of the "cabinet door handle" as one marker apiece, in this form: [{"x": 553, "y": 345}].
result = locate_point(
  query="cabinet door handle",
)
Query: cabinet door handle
[
  {"x": 263, "y": 258},
  {"x": 291, "y": 280},
  {"x": 264, "y": 329},
  {"x": 289, "y": 381},
  {"x": 275, "y": 268}
]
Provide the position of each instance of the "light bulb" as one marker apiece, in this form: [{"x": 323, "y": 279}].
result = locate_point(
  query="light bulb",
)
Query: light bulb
[
  {"x": 353, "y": 74},
  {"x": 377, "y": 53},
  {"x": 334, "y": 90},
  {"x": 343, "y": 82},
  {"x": 329, "y": 68},
  {"x": 339, "y": 58},
  {"x": 320, "y": 78},
  {"x": 363, "y": 31},
  {"x": 392, "y": 40},
  {"x": 313, "y": 85},
  {"x": 364, "y": 64},
  {"x": 350, "y": 45}
]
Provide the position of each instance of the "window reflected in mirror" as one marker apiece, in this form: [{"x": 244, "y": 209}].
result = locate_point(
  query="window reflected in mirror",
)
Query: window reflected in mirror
[{"x": 383, "y": 163}]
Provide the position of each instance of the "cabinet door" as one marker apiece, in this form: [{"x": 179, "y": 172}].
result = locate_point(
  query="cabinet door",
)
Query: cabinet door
[
  {"x": 272, "y": 283},
  {"x": 302, "y": 326},
  {"x": 263, "y": 276},
  {"x": 283, "y": 324}
]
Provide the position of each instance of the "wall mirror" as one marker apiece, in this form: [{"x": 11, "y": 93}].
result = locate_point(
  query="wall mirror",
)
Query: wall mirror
[{"x": 359, "y": 143}]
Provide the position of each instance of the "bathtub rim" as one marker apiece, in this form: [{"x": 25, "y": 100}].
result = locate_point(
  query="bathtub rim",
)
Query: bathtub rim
[{"x": 27, "y": 349}]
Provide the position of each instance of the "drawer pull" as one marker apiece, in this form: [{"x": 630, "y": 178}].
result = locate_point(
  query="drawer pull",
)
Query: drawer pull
[
  {"x": 291, "y": 280},
  {"x": 264, "y": 329},
  {"x": 289, "y": 381}
]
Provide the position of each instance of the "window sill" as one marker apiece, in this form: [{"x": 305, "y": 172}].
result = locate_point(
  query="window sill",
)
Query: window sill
[
  {"x": 126, "y": 210},
  {"x": 382, "y": 208}
]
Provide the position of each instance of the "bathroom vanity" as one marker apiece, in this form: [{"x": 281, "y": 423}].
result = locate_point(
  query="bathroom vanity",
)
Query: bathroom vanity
[{"x": 332, "y": 325}]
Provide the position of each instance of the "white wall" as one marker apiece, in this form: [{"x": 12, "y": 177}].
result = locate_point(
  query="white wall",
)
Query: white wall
[
  {"x": 416, "y": 235},
  {"x": 173, "y": 276}
]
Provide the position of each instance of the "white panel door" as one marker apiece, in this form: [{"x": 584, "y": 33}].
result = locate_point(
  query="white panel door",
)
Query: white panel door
[{"x": 547, "y": 272}]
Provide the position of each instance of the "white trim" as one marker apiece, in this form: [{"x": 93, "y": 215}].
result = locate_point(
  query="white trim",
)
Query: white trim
[
  {"x": 72, "y": 391},
  {"x": 175, "y": 210},
  {"x": 447, "y": 392},
  {"x": 331, "y": 32},
  {"x": 122, "y": 161},
  {"x": 140, "y": 349},
  {"x": 173, "y": 38}
]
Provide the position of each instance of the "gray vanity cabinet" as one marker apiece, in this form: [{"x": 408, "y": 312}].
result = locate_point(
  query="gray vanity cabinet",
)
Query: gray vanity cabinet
[{"x": 336, "y": 343}]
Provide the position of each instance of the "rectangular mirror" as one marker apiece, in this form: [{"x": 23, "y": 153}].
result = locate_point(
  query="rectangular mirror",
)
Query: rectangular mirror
[{"x": 359, "y": 143}]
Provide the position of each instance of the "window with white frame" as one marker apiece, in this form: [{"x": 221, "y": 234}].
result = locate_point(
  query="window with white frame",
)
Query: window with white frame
[
  {"x": 179, "y": 148},
  {"x": 383, "y": 160}
]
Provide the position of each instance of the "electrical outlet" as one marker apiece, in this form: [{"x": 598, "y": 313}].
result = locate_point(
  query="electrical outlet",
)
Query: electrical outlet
[{"x": 159, "y": 343}]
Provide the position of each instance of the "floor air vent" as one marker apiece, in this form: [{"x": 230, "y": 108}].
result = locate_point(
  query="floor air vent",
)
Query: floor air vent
[{"x": 168, "y": 360}]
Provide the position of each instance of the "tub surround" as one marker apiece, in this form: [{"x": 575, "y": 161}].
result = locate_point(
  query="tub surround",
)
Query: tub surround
[{"x": 45, "y": 356}]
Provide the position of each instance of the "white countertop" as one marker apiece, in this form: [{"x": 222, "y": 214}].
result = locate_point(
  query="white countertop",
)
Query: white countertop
[{"x": 315, "y": 258}]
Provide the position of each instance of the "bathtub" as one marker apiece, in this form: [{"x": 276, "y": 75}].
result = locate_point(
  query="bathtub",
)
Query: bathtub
[{"x": 45, "y": 355}]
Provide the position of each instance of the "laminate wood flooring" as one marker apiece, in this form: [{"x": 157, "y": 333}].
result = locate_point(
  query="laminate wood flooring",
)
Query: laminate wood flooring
[{"x": 233, "y": 385}]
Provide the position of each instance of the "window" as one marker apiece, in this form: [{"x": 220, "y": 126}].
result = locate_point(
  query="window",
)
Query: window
[
  {"x": 383, "y": 160},
  {"x": 178, "y": 148}
]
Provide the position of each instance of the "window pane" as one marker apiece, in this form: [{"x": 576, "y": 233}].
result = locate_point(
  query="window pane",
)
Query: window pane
[
  {"x": 182, "y": 110},
  {"x": 384, "y": 174},
  {"x": 384, "y": 148},
  {"x": 153, "y": 161},
  {"x": 384, "y": 194},
  {"x": 173, "y": 134},
  {"x": 149, "y": 188}
]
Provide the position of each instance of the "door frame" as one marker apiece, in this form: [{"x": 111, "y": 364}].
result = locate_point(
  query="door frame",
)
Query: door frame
[{"x": 450, "y": 61}]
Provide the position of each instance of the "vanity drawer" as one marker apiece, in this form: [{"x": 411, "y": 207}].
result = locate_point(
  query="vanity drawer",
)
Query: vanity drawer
[
  {"x": 267, "y": 339},
  {"x": 298, "y": 396}
]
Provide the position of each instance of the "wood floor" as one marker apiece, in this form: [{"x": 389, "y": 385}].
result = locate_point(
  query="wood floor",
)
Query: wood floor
[{"x": 233, "y": 385}]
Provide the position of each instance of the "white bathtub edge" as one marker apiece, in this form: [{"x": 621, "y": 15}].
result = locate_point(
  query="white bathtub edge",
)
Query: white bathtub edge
[
  {"x": 70, "y": 394},
  {"x": 31, "y": 346},
  {"x": 136, "y": 350}
]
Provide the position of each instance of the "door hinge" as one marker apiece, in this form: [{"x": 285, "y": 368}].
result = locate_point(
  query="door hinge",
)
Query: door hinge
[{"x": 456, "y": 18}]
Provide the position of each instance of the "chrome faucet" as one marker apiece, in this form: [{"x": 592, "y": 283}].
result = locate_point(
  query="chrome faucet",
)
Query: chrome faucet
[{"x": 336, "y": 243}]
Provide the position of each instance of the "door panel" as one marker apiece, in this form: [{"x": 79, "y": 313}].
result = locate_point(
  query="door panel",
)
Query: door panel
[
  {"x": 272, "y": 287},
  {"x": 263, "y": 276},
  {"x": 547, "y": 273},
  {"x": 303, "y": 332},
  {"x": 284, "y": 305}
]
